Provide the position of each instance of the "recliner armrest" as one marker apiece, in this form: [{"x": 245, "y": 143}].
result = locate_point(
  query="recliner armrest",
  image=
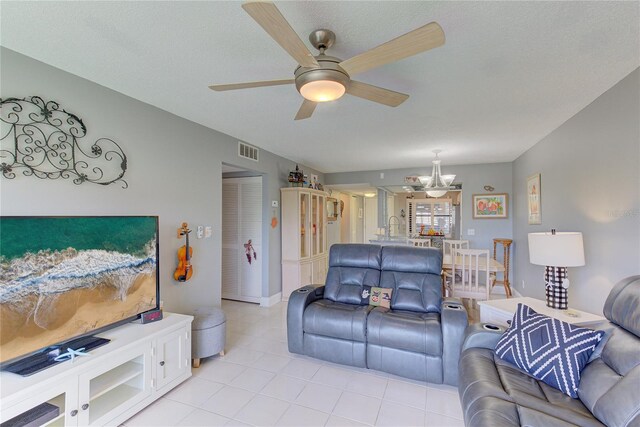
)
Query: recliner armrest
[
  {"x": 453, "y": 301},
  {"x": 454, "y": 321},
  {"x": 298, "y": 301},
  {"x": 482, "y": 335}
]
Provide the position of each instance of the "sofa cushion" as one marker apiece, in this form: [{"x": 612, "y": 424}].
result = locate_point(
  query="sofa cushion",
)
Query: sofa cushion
[
  {"x": 351, "y": 266},
  {"x": 548, "y": 349},
  {"x": 405, "y": 330},
  {"x": 336, "y": 320},
  {"x": 414, "y": 275},
  {"x": 355, "y": 255},
  {"x": 487, "y": 382},
  {"x": 494, "y": 412},
  {"x": 411, "y": 259},
  {"x": 609, "y": 385},
  {"x": 621, "y": 306}
]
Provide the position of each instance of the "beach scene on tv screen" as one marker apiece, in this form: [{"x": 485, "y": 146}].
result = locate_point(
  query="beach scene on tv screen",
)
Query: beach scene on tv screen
[{"x": 64, "y": 277}]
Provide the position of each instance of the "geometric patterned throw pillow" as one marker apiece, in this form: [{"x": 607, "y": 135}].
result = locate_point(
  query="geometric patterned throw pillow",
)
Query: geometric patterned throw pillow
[{"x": 548, "y": 349}]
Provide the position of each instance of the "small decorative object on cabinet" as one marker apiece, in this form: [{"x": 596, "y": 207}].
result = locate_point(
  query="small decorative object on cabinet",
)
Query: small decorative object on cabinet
[
  {"x": 304, "y": 239},
  {"x": 296, "y": 178},
  {"x": 138, "y": 366}
]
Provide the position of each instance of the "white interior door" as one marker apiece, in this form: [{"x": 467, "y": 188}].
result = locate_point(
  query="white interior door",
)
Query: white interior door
[{"x": 241, "y": 222}]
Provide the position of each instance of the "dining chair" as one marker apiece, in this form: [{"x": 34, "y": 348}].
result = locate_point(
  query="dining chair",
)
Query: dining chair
[
  {"x": 472, "y": 278},
  {"x": 449, "y": 247},
  {"x": 421, "y": 243}
]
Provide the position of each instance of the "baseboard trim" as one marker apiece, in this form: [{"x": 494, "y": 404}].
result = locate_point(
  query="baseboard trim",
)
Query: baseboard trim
[{"x": 270, "y": 301}]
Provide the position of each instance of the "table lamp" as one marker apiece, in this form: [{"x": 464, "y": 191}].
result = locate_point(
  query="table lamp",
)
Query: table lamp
[{"x": 556, "y": 251}]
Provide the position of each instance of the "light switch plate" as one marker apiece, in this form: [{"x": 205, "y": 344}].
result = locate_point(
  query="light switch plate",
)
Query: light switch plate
[
  {"x": 208, "y": 231},
  {"x": 471, "y": 232},
  {"x": 274, "y": 204}
]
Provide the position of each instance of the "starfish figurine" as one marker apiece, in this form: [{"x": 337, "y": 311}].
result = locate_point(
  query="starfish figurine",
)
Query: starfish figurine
[{"x": 71, "y": 354}]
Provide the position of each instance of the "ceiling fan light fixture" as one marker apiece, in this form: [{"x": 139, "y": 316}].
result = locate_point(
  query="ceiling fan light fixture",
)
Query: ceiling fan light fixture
[
  {"x": 323, "y": 78},
  {"x": 322, "y": 90}
]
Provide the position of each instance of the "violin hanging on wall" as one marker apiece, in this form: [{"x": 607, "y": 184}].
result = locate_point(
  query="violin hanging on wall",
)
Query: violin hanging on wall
[{"x": 185, "y": 269}]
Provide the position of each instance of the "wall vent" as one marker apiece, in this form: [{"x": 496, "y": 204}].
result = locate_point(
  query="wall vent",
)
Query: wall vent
[{"x": 248, "y": 151}]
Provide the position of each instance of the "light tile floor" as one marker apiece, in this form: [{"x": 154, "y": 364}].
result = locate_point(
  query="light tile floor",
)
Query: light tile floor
[{"x": 259, "y": 383}]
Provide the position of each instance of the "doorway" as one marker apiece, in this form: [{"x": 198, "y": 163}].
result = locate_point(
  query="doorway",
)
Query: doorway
[{"x": 242, "y": 237}]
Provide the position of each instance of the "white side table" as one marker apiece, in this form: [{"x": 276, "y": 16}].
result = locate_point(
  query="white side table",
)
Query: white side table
[{"x": 500, "y": 311}]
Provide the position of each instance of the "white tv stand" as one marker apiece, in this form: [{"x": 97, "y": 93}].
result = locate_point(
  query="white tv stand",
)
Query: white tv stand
[{"x": 140, "y": 364}]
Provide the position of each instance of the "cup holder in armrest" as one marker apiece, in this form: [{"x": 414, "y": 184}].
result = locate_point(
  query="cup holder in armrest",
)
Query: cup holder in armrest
[
  {"x": 302, "y": 290},
  {"x": 453, "y": 307},
  {"x": 490, "y": 327}
]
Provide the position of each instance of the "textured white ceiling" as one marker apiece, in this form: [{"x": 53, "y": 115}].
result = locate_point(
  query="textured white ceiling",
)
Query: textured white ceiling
[{"x": 509, "y": 73}]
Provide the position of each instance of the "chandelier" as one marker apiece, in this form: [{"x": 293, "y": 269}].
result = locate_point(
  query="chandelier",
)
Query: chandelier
[{"x": 437, "y": 184}]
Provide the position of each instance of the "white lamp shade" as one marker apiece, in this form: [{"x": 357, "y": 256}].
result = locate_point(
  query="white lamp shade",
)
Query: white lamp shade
[
  {"x": 557, "y": 250},
  {"x": 447, "y": 179},
  {"x": 436, "y": 193},
  {"x": 426, "y": 180}
]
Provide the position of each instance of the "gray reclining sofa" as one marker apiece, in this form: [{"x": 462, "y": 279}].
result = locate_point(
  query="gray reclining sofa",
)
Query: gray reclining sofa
[
  {"x": 418, "y": 337},
  {"x": 496, "y": 393}
]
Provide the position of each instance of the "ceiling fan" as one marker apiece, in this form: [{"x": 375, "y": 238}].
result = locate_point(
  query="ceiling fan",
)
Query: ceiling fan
[{"x": 322, "y": 78}]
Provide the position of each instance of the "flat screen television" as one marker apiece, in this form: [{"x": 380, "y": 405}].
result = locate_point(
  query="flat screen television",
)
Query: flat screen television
[{"x": 65, "y": 278}]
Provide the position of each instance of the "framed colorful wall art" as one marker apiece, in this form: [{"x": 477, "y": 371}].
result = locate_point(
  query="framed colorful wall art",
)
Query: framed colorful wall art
[
  {"x": 534, "y": 199},
  {"x": 490, "y": 206}
]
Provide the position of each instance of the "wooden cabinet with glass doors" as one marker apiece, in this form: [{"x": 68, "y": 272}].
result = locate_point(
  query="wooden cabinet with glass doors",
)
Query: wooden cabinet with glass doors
[{"x": 304, "y": 238}]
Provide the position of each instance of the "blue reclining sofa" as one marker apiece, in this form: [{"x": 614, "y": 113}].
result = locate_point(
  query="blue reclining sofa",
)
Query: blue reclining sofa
[{"x": 418, "y": 337}]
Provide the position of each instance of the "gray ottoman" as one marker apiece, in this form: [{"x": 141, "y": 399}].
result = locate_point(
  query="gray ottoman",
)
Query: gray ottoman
[{"x": 208, "y": 329}]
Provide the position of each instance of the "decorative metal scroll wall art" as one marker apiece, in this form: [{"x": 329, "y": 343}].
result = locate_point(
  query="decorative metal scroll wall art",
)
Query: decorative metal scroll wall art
[{"x": 40, "y": 139}]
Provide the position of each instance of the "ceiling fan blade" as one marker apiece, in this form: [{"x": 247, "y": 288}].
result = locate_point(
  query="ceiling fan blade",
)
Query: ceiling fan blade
[
  {"x": 306, "y": 109},
  {"x": 376, "y": 94},
  {"x": 416, "y": 41},
  {"x": 234, "y": 86},
  {"x": 269, "y": 17}
]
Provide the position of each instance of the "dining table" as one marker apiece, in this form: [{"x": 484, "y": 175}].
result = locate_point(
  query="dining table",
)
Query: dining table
[{"x": 494, "y": 265}]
